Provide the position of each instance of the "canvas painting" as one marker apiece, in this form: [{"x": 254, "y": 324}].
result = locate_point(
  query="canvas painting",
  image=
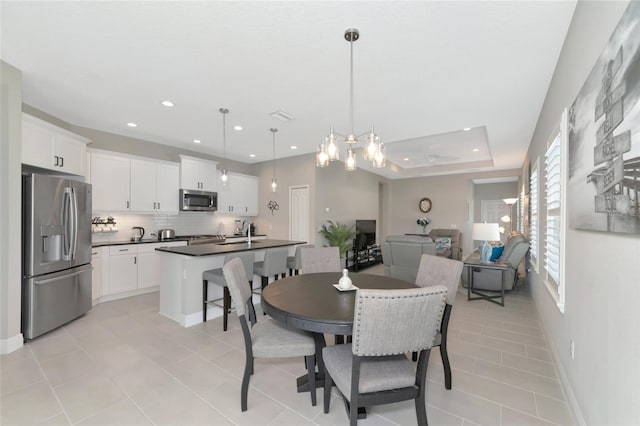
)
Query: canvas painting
[{"x": 604, "y": 137}]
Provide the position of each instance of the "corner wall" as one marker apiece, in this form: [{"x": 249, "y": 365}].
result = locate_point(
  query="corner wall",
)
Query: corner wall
[
  {"x": 602, "y": 269},
  {"x": 10, "y": 207}
]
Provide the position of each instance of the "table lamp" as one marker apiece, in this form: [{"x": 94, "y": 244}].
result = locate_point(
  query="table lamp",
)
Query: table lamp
[{"x": 485, "y": 232}]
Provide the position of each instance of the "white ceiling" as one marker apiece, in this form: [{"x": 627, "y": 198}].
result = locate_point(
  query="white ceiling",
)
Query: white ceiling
[{"x": 423, "y": 71}]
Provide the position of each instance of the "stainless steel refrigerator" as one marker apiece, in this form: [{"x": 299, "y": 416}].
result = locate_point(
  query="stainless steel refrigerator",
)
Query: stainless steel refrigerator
[{"x": 56, "y": 242}]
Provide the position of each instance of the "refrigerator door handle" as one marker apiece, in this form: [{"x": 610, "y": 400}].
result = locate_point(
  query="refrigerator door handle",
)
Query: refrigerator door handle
[
  {"x": 66, "y": 212},
  {"x": 50, "y": 280},
  {"x": 74, "y": 224}
]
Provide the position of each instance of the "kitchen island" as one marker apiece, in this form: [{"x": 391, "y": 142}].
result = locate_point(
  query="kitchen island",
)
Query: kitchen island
[{"x": 182, "y": 267}]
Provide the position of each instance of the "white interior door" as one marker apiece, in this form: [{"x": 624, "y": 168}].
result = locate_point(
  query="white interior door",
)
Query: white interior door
[{"x": 299, "y": 213}]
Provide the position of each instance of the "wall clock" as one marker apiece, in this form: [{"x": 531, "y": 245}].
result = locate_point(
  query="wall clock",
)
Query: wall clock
[{"x": 425, "y": 205}]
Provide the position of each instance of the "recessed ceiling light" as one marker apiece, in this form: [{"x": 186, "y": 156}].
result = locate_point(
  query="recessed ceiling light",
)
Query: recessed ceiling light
[
  {"x": 475, "y": 150},
  {"x": 282, "y": 116},
  {"x": 168, "y": 104},
  {"x": 238, "y": 128},
  {"x": 294, "y": 147},
  {"x": 196, "y": 141},
  {"x": 132, "y": 125},
  {"x": 252, "y": 155},
  {"x": 406, "y": 159},
  {"x": 466, "y": 129}
]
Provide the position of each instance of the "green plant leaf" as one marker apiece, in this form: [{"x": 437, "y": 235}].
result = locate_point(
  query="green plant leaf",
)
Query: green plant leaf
[{"x": 338, "y": 235}]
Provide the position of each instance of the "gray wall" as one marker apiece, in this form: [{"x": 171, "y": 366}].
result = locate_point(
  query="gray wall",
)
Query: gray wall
[
  {"x": 451, "y": 197},
  {"x": 10, "y": 210},
  {"x": 602, "y": 269}
]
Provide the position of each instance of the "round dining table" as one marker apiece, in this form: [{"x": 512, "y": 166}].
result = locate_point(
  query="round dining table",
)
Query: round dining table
[{"x": 311, "y": 302}]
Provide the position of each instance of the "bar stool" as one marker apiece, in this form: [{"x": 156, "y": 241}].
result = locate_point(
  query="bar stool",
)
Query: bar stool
[
  {"x": 294, "y": 263},
  {"x": 215, "y": 276},
  {"x": 274, "y": 264}
]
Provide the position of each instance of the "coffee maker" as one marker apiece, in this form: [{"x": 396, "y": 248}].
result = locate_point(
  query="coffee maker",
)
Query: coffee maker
[{"x": 238, "y": 229}]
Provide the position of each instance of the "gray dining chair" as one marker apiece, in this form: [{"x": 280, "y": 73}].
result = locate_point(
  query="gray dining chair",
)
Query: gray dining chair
[
  {"x": 293, "y": 262},
  {"x": 215, "y": 276},
  {"x": 273, "y": 265},
  {"x": 267, "y": 338},
  {"x": 437, "y": 270},
  {"x": 374, "y": 369},
  {"x": 320, "y": 259}
]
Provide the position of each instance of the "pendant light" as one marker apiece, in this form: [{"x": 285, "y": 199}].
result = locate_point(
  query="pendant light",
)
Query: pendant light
[
  {"x": 224, "y": 176},
  {"x": 328, "y": 150},
  {"x": 274, "y": 182}
]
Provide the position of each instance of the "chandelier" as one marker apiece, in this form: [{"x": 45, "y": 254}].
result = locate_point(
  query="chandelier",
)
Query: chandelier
[
  {"x": 224, "y": 176},
  {"x": 329, "y": 150}
]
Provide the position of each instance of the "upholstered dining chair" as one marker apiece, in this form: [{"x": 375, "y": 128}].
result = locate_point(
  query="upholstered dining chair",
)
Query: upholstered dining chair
[
  {"x": 436, "y": 270},
  {"x": 294, "y": 263},
  {"x": 215, "y": 276},
  {"x": 374, "y": 369},
  {"x": 267, "y": 338},
  {"x": 320, "y": 259},
  {"x": 273, "y": 265}
]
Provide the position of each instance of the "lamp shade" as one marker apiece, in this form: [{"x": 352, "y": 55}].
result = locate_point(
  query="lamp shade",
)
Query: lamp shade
[
  {"x": 510, "y": 201},
  {"x": 485, "y": 232}
]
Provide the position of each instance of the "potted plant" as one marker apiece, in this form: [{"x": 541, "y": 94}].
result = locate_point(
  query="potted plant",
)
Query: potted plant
[{"x": 338, "y": 235}]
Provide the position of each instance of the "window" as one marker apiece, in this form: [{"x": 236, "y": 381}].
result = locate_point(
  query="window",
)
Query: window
[
  {"x": 533, "y": 215},
  {"x": 521, "y": 211},
  {"x": 554, "y": 226}
]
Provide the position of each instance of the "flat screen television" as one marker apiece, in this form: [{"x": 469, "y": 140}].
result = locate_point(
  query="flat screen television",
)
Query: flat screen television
[{"x": 365, "y": 234}]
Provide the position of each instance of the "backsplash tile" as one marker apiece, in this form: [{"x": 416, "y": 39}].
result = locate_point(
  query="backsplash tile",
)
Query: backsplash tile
[{"x": 184, "y": 223}]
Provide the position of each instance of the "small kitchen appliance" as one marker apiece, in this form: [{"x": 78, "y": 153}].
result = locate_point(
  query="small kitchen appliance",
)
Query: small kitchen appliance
[
  {"x": 166, "y": 234},
  {"x": 137, "y": 233}
]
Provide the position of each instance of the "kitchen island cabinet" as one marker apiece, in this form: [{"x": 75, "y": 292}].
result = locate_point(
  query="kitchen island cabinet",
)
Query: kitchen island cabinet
[{"x": 181, "y": 275}]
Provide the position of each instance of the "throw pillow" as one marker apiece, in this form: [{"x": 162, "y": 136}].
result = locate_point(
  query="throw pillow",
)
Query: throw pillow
[
  {"x": 443, "y": 243},
  {"x": 496, "y": 252}
]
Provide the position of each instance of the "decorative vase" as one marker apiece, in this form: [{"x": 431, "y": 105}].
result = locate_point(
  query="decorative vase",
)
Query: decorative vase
[
  {"x": 424, "y": 230},
  {"x": 345, "y": 282}
]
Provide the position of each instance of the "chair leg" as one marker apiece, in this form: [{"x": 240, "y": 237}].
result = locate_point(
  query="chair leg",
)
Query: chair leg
[
  {"x": 265, "y": 282},
  {"x": 311, "y": 372},
  {"x": 297, "y": 271},
  {"x": 204, "y": 300},
  {"x": 328, "y": 384},
  {"x": 226, "y": 302},
  {"x": 421, "y": 409},
  {"x": 445, "y": 363},
  {"x": 248, "y": 370},
  {"x": 290, "y": 272},
  {"x": 414, "y": 356}
]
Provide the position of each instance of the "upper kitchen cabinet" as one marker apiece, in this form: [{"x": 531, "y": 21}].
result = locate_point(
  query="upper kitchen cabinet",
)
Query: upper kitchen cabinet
[
  {"x": 51, "y": 147},
  {"x": 197, "y": 174},
  {"x": 110, "y": 177},
  {"x": 131, "y": 184},
  {"x": 154, "y": 187},
  {"x": 239, "y": 196}
]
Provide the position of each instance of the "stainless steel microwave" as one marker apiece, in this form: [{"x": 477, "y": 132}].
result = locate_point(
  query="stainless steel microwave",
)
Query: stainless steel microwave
[{"x": 204, "y": 201}]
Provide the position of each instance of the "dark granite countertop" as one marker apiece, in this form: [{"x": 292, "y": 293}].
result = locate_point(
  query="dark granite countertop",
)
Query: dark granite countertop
[
  {"x": 153, "y": 240},
  {"x": 224, "y": 248}
]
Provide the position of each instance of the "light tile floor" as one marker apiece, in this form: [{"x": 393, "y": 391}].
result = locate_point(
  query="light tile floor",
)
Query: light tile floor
[{"x": 124, "y": 364}]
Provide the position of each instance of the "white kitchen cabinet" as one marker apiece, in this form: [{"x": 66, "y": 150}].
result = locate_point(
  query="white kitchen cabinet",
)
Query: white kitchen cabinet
[
  {"x": 96, "y": 273},
  {"x": 198, "y": 174},
  {"x": 123, "y": 268},
  {"x": 154, "y": 187},
  {"x": 50, "y": 147},
  {"x": 239, "y": 196},
  {"x": 133, "y": 268},
  {"x": 110, "y": 177}
]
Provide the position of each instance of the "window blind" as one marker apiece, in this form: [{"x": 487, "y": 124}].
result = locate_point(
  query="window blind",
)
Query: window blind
[
  {"x": 533, "y": 218},
  {"x": 553, "y": 188}
]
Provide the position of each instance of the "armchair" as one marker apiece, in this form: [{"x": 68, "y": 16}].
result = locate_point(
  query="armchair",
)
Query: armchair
[
  {"x": 515, "y": 248},
  {"x": 455, "y": 252}
]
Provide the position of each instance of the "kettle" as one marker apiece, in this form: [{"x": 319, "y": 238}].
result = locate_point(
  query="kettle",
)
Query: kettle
[{"x": 138, "y": 233}]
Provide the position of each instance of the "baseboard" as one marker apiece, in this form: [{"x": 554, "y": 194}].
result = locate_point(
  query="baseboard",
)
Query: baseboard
[
  {"x": 122, "y": 295},
  {"x": 11, "y": 344},
  {"x": 572, "y": 401}
]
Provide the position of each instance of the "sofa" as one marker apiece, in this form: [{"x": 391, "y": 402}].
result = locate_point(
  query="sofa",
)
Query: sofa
[
  {"x": 401, "y": 255},
  {"x": 455, "y": 251},
  {"x": 515, "y": 248}
]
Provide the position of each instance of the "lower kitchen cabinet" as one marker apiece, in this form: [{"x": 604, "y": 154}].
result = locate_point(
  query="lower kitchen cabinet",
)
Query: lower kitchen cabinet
[
  {"x": 97, "y": 272},
  {"x": 132, "y": 269}
]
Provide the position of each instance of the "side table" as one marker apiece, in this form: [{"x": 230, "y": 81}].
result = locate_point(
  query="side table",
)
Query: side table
[{"x": 473, "y": 262}]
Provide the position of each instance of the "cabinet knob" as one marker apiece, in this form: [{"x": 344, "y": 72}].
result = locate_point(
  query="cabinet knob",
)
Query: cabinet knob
[
  {"x": 154, "y": 205},
  {"x": 158, "y": 205},
  {"x": 61, "y": 161}
]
